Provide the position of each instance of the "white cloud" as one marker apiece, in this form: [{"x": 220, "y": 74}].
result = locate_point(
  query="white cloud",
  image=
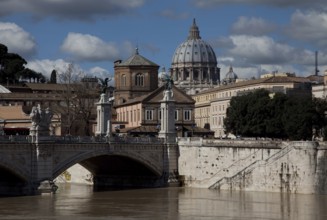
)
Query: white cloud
[
  {"x": 87, "y": 47},
  {"x": 17, "y": 39},
  {"x": 70, "y": 9},
  {"x": 46, "y": 66},
  {"x": 229, "y": 60},
  {"x": 252, "y": 26},
  {"x": 99, "y": 72},
  {"x": 252, "y": 55},
  {"x": 261, "y": 50},
  {"x": 310, "y": 26}
]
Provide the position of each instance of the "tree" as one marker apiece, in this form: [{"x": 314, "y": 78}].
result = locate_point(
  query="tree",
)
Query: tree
[
  {"x": 53, "y": 77},
  {"x": 78, "y": 103},
  {"x": 257, "y": 115},
  {"x": 319, "y": 119},
  {"x": 274, "y": 124},
  {"x": 247, "y": 113},
  {"x": 297, "y": 118},
  {"x": 12, "y": 68}
]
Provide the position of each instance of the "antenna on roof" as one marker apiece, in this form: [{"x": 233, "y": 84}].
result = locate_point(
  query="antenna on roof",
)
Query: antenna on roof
[{"x": 316, "y": 63}]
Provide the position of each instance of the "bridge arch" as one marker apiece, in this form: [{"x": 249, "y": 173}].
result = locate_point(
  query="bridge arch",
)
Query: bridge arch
[
  {"x": 137, "y": 157},
  {"x": 14, "y": 181},
  {"x": 11, "y": 167}
]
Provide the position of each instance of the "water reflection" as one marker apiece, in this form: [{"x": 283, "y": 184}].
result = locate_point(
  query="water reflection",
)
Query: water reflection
[{"x": 80, "y": 202}]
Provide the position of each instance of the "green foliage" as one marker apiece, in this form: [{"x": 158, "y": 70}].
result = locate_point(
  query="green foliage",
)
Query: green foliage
[
  {"x": 53, "y": 77},
  {"x": 13, "y": 68},
  {"x": 256, "y": 114}
]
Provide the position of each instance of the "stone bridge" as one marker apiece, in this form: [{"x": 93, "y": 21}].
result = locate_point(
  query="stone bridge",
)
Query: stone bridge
[{"x": 114, "y": 162}]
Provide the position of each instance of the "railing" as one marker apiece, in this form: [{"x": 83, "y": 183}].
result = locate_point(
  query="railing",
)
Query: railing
[
  {"x": 77, "y": 139},
  {"x": 15, "y": 139}
]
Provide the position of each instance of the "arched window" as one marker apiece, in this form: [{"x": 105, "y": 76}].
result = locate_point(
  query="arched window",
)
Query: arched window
[
  {"x": 123, "y": 80},
  {"x": 139, "y": 79},
  {"x": 195, "y": 75}
]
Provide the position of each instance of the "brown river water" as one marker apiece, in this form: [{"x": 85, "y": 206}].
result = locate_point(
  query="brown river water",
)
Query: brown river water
[{"x": 75, "y": 202}]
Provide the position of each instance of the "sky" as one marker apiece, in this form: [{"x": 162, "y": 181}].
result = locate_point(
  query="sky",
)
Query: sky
[{"x": 253, "y": 36}]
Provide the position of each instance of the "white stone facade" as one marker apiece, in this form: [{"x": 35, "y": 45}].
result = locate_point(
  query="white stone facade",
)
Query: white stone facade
[{"x": 295, "y": 167}]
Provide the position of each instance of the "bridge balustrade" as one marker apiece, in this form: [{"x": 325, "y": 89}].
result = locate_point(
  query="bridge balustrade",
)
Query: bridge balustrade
[
  {"x": 15, "y": 138},
  {"x": 79, "y": 139}
]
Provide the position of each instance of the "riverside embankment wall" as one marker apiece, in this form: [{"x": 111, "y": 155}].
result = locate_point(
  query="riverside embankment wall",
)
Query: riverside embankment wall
[{"x": 272, "y": 166}]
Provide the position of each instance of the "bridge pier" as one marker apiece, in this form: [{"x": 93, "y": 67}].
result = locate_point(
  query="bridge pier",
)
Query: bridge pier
[
  {"x": 171, "y": 155},
  {"x": 42, "y": 174}
]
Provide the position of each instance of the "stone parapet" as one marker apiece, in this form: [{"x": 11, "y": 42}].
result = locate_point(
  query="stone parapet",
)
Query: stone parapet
[{"x": 274, "y": 166}]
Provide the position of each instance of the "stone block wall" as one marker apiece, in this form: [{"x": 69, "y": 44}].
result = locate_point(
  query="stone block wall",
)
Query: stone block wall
[{"x": 274, "y": 166}]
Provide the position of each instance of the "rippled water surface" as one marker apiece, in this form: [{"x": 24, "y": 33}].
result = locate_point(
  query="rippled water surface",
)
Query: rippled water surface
[{"x": 76, "y": 202}]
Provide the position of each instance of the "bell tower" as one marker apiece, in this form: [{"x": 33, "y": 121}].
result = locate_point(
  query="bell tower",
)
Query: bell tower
[{"x": 134, "y": 77}]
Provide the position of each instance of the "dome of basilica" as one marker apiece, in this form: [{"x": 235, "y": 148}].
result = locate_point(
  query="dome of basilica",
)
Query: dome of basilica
[
  {"x": 194, "y": 49},
  {"x": 230, "y": 76},
  {"x": 194, "y": 64}
]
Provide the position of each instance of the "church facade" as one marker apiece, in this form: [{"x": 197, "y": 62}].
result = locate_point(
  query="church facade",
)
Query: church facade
[{"x": 138, "y": 98}]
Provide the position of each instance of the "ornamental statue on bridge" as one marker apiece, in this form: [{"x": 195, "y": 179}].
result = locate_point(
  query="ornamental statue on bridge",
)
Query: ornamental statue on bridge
[
  {"x": 41, "y": 120},
  {"x": 103, "y": 111},
  {"x": 167, "y": 109}
]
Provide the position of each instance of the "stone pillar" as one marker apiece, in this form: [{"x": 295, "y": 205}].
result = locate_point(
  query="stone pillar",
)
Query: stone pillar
[
  {"x": 44, "y": 167},
  {"x": 103, "y": 116},
  {"x": 167, "y": 131},
  {"x": 171, "y": 164}
]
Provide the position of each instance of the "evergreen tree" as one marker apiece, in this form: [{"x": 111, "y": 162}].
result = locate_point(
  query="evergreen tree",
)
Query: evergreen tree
[
  {"x": 257, "y": 115},
  {"x": 53, "y": 77},
  {"x": 13, "y": 68}
]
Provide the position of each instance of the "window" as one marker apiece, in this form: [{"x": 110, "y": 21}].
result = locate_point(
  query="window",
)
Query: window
[
  {"x": 148, "y": 114},
  {"x": 176, "y": 115},
  {"x": 123, "y": 80},
  {"x": 187, "y": 115},
  {"x": 139, "y": 79},
  {"x": 159, "y": 114}
]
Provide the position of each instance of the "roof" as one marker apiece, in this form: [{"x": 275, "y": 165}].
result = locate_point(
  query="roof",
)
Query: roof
[
  {"x": 137, "y": 60},
  {"x": 4, "y": 89},
  {"x": 140, "y": 129},
  {"x": 157, "y": 96},
  {"x": 12, "y": 112},
  {"x": 276, "y": 79},
  {"x": 45, "y": 86},
  {"x": 316, "y": 78}
]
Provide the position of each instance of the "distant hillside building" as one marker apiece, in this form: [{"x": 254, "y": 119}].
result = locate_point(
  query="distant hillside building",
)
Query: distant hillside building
[
  {"x": 194, "y": 64},
  {"x": 319, "y": 87}
]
